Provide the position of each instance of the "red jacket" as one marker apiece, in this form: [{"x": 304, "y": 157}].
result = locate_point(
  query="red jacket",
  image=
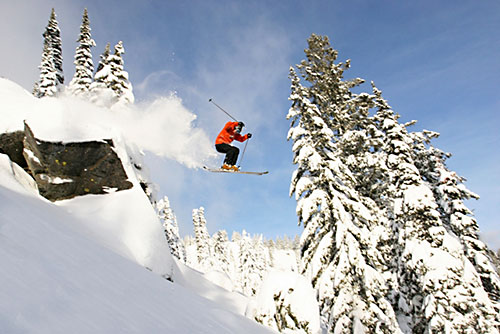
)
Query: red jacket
[{"x": 227, "y": 135}]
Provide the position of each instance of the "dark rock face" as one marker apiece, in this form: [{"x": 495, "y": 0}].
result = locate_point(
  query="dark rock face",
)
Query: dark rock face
[
  {"x": 12, "y": 145},
  {"x": 65, "y": 170}
]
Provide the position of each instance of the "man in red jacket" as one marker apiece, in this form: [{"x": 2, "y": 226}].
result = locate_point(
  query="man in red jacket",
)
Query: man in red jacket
[{"x": 230, "y": 132}]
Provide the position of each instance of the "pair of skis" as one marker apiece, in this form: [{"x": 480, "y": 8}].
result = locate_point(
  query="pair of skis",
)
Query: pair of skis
[{"x": 220, "y": 170}]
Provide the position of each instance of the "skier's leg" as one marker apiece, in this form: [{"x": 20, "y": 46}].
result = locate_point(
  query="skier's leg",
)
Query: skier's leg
[
  {"x": 227, "y": 149},
  {"x": 232, "y": 156}
]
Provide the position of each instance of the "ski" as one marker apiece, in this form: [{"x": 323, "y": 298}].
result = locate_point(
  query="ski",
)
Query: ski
[{"x": 220, "y": 170}]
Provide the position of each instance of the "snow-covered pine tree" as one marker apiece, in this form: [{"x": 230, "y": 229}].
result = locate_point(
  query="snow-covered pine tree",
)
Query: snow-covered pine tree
[
  {"x": 84, "y": 70},
  {"x": 47, "y": 84},
  {"x": 253, "y": 263},
  {"x": 51, "y": 71},
  {"x": 236, "y": 236},
  {"x": 439, "y": 290},
  {"x": 118, "y": 80},
  {"x": 450, "y": 193},
  {"x": 335, "y": 244},
  {"x": 171, "y": 228},
  {"x": 221, "y": 254},
  {"x": 53, "y": 34},
  {"x": 287, "y": 303},
  {"x": 101, "y": 93},
  {"x": 202, "y": 239},
  {"x": 111, "y": 84},
  {"x": 262, "y": 256}
]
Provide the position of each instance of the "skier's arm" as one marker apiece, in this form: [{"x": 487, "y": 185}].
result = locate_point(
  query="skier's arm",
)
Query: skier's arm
[{"x": 241, "y": 138}]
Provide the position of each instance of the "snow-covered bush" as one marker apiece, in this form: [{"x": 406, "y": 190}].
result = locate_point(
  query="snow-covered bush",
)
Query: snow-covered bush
[{"x": 286, "y": 302}]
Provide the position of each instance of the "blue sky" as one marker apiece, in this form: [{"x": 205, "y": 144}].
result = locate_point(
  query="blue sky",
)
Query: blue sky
[{"x": 435, "y": 61}]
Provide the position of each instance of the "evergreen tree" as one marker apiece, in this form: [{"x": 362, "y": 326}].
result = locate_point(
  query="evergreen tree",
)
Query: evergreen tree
[
  {"x": 51, "y": 71},
  {"x": 111, "y": 83},
  {"x": 80, "y": 84},
  {"x": 53, "y": 34},
  {"x": 118, "y": 80},
  {"x": 236, "y": 236},
  {"x": 101, "y": 93},
  {"x": 253, "y": 263},
  {"x": 438, "y": 289},
  {"x": 335, "y": 243},
  {"x": 47, "y": 85},
  {"x": 451, "y": 193},
  {"x": 202, "y": 239},
  {"x": 171, "y": 228},
  {"x": 221, "y": 252}
]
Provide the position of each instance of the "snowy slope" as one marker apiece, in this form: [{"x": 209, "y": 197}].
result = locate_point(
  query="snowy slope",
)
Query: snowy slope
[
  {"x": 79, "y": 266},
  {"x": 56, "y": 279}
]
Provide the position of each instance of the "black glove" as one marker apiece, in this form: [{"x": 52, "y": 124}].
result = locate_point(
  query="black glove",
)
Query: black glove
[{"x": 249, "y": 135}]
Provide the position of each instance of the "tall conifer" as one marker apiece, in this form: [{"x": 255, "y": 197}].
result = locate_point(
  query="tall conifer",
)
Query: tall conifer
[
  {"x": 171, "y": 229},
  {"x": 436, "y": 287},
  {"x": 51, "y": 70},
  {"x": 335, "y": 243},
  {"x": 101, "y": 93},
  {"x": 202, "y": 239},
  {"x": 118, "y": 80},
  {"x": 84, "y": 70}
]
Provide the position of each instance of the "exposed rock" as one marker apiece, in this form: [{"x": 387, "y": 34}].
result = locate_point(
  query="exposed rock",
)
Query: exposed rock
[
  {"x": 12, "y": 144},
  {"x": 65, "y": 170}
]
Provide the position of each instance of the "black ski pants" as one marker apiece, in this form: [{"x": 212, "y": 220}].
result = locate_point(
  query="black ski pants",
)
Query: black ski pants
[{"x": 230, "y": 151}]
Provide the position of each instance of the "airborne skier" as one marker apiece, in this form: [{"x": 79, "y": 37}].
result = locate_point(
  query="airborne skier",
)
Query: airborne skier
[{"x": 230, "y": 132}]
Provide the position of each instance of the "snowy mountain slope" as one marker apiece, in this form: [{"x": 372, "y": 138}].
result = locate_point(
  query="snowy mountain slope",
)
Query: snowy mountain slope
[
  {"x": 201, "y": 285},
  {"x": 126, "y": 223},
  {"x": 79, "y": 266},
  {"x": 58, "y": 278}
]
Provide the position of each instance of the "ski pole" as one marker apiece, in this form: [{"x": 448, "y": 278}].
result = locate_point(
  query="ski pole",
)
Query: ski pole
[
  {"x": 243, "y": 154},
  {"x": 210, "y": 100}
]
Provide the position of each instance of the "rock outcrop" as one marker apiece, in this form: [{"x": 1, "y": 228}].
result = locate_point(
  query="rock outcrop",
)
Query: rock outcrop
[
  {"x": 65, "y": 170},
  {"x": 12, "y": 144}
]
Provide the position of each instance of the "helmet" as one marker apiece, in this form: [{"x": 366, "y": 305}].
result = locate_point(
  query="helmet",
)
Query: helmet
[{"x": 239, "y": 127}]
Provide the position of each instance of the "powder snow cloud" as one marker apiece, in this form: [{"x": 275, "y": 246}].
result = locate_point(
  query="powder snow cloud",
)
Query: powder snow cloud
[{"x": 162, "y": 126}]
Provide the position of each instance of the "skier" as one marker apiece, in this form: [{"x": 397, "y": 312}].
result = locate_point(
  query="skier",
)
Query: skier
[{"x": 230, "y": 132}]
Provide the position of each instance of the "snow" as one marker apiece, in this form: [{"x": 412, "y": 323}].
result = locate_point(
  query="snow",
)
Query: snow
[
  {"x": 196, "y": 282},
  {"x": 284, "y": 260},
  {"x": 285, "y": 295},
  {"x": 147, "y": 125},
  {"x": 126, "y": 223},
  {"x": 221, "y": 279},
  {"x": 57, "y": 280},
  {"x": 31, "y": 156},
  {"x": 99, "y": 263},
  {"x": 55, "y": 180}
]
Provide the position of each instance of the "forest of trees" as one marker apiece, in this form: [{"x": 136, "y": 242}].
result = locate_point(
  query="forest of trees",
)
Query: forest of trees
[
  {"x": 388, "y": 242},
  {"x": 243, "y": 259},
  {"x": 107, "y": 86}
]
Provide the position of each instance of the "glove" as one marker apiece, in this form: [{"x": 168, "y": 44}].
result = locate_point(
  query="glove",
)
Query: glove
[{"x": 249, "y": 135}]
